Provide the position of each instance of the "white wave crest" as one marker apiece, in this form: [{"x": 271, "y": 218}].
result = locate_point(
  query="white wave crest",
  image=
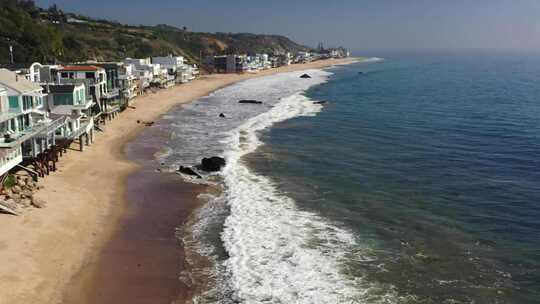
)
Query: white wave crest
[{"x": 279, "y": 253}]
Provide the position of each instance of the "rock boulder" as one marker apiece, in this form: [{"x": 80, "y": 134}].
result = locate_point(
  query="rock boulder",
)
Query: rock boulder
[
  {"x": 189, "y": 171},
  {"x": 212, "y": 164},
  {"x": 250, "y": 101}
]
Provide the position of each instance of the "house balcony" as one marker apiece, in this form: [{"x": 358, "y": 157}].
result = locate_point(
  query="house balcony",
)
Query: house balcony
[
  {"x": 5, "y": 116},
  {"x": 9, "y": 158},
  {"x": 40, "y": 129},
  {"x": 129, "y": 93},
  {"x": 85, "y": 128},
  {"x": 112, "y": 94}
]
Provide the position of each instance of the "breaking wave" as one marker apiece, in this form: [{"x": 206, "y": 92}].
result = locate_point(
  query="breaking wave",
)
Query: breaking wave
[{"x": 277, "y": 252}]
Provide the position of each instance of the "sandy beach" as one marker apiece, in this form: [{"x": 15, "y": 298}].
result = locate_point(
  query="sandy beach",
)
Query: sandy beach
[{"x": 48, "y": 254}]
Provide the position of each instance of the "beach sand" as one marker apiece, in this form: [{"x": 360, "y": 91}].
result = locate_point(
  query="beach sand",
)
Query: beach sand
[{"x": 94, "y": 231}]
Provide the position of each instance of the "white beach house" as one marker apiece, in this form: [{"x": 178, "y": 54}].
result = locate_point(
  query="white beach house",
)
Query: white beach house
[
  {"x": 148, "y": 73},
  {"x": 9, "y": 157},
  {"x": 73, "y": 102},
  {"x": 128, "y": 82},
  {"x": 24, "y": 120},
  {"x": 95, "y": 79}
]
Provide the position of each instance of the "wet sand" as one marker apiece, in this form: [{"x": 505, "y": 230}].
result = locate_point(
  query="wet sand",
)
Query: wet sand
[
  {"x": 107, "y": 234},
  {"x": 144, "y": 259}
]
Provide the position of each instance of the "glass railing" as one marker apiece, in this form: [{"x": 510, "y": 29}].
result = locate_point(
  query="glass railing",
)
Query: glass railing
[{"x": 40, "y": 129}]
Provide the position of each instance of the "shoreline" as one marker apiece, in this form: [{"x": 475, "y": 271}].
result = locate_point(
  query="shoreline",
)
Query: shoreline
[{"x": 49, "y": 252}]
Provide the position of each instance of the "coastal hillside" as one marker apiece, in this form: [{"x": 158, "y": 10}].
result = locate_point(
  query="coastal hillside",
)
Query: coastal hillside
[{"x": 51, "y": 35}]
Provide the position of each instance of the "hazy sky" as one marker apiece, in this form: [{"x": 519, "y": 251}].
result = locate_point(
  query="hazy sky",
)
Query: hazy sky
[{"x": 358, "y": 24}]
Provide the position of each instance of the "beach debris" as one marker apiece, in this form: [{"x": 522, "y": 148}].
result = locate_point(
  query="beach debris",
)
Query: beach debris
[
  {"x": 146, "y": 123},
  {"x": 250, "y": 101},
  {"x": 212, "y": 164},
  {"x": 319, "y": 102},
  {"x": 221, "y": 115},
  {"x": 9, "y": 207},
  {"x": 38, "y": 203},
  {"x": 132, "y": 107},
  {"x": 189, "y": 171},
  {"x": 305, "y": 76}
]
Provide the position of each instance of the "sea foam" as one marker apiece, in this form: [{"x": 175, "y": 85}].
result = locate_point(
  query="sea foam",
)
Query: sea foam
[
  {"x": 277, "y": 252},
  {"x": 274, "y": 251}
]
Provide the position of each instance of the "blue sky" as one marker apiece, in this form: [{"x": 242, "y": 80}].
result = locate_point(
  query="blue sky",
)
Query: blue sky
[{"x": 358, "y": 24}]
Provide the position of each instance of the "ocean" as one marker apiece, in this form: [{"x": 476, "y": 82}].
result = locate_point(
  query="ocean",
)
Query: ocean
[{"x": 416, "y": 181}]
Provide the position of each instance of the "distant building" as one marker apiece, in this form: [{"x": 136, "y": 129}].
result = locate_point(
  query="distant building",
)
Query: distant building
[
  {"x": 230, "y": 64},
  {"x": 148, "y": 73},
  {"x": 128, "y": 83}
]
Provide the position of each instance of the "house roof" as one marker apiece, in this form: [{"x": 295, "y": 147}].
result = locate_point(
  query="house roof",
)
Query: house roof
[
  {"x": 18, "y": 83},
  {"x": 75, "y": 68}
]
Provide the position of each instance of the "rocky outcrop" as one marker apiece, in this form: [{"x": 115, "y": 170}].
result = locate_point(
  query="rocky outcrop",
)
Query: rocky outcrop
[
  {"x": 189, "y": 171},
  {"x": 19, "y": 196},
  {"x": 221, "y": 115},
  {"x": 212, "y": 164},
  {"x": 250, "y": 101},
  {"x": 305, "y": 76}
]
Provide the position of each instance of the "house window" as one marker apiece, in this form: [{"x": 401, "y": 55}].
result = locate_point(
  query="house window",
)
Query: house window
[
  {"x": 13, "y": 102},
  {"x": 27, "y": 102},
  {"x": 69, "y": 75},
  {"x": 63, "y": 99},
  {"x": 90, "y": 75},
  {"x": 20, "y": 123},
  {"x": 26, "y": 120}
]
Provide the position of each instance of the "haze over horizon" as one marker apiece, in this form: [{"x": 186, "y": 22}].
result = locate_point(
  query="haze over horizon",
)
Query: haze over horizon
[{"x": 367, "y": 24}]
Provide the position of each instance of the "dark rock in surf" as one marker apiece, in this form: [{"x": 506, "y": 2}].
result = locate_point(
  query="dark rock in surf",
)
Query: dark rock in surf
[
  {"x": 319, "y": 102},
  {"x": 188, "y": 171},
  {"x": 212, "y": 164},
  {"x": 222, "y": 115},
  {"x": 250, "y": 101},
  {"x": 305, "y": 76}
]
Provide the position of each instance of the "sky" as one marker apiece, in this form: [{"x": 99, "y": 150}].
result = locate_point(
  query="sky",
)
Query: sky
[{"x": 356, "y": 24}]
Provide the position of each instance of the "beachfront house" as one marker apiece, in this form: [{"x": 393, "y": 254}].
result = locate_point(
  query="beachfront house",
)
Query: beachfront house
[
  {"x": 258, "y": 62},
  {"x": 128, "y": 83},
  {"x": 112, "y": 70},
  {"x": 303, "y": 57},
  {"x": 189, "y": 72},
  {"x": 173, "y": 65},
  {"x": 25, "y": 124},
  {"x": 94, "y": 78},
  {"x": 230, "y": 64},
  {"x": 73, "y": 102},
  {"x": 48, "y": 73},
  {"x": 148, "y": 74},
  {"x": 9, "y": 156}
]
